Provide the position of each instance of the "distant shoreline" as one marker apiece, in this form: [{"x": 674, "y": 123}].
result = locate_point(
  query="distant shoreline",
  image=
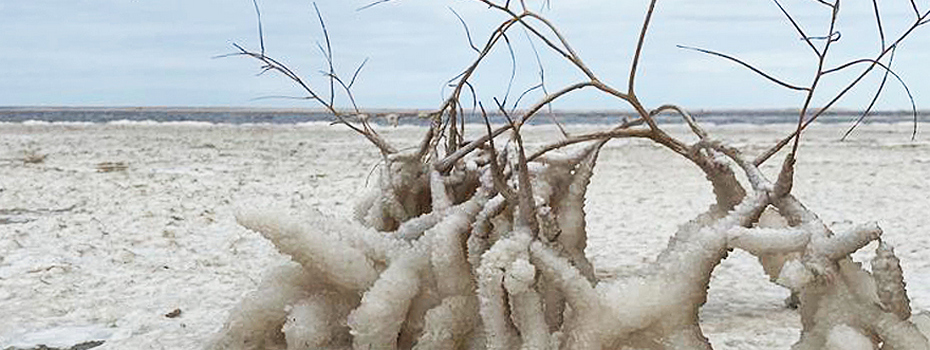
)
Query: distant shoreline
[
  {"x": 247, "y": 115},
  {"x": 696, "y": 112}
]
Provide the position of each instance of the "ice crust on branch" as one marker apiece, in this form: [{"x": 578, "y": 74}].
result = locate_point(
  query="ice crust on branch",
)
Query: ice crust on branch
[
  {"x": 473, "y": 244},
  {"x": 468, "y": 274}
]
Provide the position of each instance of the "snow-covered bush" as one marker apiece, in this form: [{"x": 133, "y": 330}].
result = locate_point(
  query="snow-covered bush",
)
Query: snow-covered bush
[{"x": 480, "y": 244}]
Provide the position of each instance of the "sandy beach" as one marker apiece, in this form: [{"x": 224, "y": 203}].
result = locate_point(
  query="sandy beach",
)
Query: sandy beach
[{"x": 125, "y": 232}]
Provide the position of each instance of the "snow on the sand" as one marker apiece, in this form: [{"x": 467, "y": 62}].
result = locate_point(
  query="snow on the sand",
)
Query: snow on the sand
[{"x": 121, "y": 225}]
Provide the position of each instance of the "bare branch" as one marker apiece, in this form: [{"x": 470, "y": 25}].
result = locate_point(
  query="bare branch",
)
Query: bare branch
[
  {"x": 347, "y": 89},
  {"x": 774, "y": 149},
  {"x": 329, "y": 56},
  {"x": 685, "y": 115},
  {"x": 573, "y": 57},
  {"x": 814, "y": 84},
  {"x": 373, "y": 4},
  {"x": 542, "y": 82},
  {"x": 868, "y": 109},
  {"x": 825, "y": 3},
  {"x": 888, "y": 70},
  {"x": 798, "y": 27},
  {"x": 834, "y": 36},
  {"x": 747, "y": 65},
  {"x": 513, "y": 67},
  {"x": 270, "y": 64},
  {"x": 878, "y": 22},
  {"x": 467, "y": 32},
  {"x": 357, "y": 70},
  {"x": 531, "y": 89},
  {"x": 639, "y": 47},
  {"x": 261, "y": 35},
  {"x": 622, "y": 131},
  {"x": 282, "y": 97},
  {"x": 552, "y": 97}
]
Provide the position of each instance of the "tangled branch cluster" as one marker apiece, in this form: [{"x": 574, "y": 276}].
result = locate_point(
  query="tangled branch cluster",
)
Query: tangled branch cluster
[{"x": 477, "y": 245}]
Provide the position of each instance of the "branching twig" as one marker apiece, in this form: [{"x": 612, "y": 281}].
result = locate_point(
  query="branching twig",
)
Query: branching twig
[
  {"x": 270, "y": 64},
  {"x": 778, "y": 146},
  {"x": 328, "y": 53}
]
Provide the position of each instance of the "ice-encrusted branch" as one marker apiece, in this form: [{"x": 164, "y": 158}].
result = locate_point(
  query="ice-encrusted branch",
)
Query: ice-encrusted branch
[{"x": 479, "y": 244}]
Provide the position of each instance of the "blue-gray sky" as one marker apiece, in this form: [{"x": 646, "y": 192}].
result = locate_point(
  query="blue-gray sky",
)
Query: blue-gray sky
[{"x": 160, "y": 53}]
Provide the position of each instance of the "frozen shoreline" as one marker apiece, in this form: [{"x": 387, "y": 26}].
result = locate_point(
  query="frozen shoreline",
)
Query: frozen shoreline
[{"x": 118, "y": 248}]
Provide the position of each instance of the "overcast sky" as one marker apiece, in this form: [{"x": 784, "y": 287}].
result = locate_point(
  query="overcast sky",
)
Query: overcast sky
[{"x": 161, "y": 53}]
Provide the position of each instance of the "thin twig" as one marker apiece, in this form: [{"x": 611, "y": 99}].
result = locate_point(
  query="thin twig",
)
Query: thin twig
[
  {"x": 542, "y": 82},
  {"x": 825, "y": 3},
  {"x": 875, "y": 97},
  {"x": 261, "y": 35},
  {"x": 747, "y": 65},
  {"x": 814, "y": 84},
  {"x": 357, "y": 70},
  {"x": 531, "y": 89},
  {"x": 270, "y": 64},
  {"x": 888, "y": 70},
  {"x": 798, "y": 27},
  {"x": 881, "y": 86},
  {"x": 373, "y": 4},
  {"x": 467, "y": 32},
  {"x": 329, "y": 56},
  {"x": 778, "y": 146},
  {"x": 697, "y": 129},
  {"x": 513, "y": 66},
  {"x": 639, "y": 47},
  {"x": 623, "y": 131}
]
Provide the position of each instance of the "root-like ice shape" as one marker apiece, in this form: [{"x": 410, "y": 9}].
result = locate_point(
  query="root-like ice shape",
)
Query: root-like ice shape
[{"x": 451, "y": 261}]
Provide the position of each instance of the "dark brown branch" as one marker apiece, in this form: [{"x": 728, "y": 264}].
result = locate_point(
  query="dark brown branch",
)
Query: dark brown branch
[
  {"x": 888, "y": 70},
  {"x": 513, "y": 66},
  {"x": 467, "y": 32},
  {"x": 797, "y": 27},
  {"x": 270, "y": 64},
  {"x": 747, "y": 65},
  {"x": 357, "y": 70},
  {"x": 329, "y": 56},
  {"x": 878, "y": 22},
  {"x": 373, "y": 4},
  {"x": 261, "y": 35},
  {"x": 552, "y": 97},
  {"x": 639, "y": 48},
  {"x": 814, "y": 84},
  {"x": 523, "y": 94},
  {"x": 622, "y": 131},
  {"x": 777, "y": 147},
  {"x": 878, "y": 92},
  {"x": 542, "y": 82},
  {"x": 695, "y": 128}
]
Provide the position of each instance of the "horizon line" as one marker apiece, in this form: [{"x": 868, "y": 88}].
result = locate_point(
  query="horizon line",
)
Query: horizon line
[{"x": 382, "y": 110}]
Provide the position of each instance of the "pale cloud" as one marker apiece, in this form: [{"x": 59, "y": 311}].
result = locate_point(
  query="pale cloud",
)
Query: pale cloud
[{"x": 133, "y": 52}]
